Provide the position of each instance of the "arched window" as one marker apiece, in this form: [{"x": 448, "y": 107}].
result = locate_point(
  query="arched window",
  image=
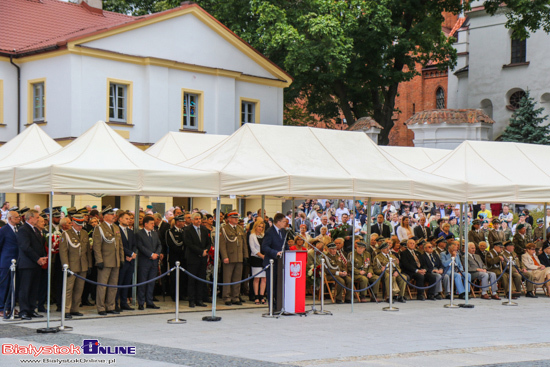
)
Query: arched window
[
  {"x": 515, "y": 99},
  {"x": 519, "y": 50},
  {"x": 440, "y": 98}
]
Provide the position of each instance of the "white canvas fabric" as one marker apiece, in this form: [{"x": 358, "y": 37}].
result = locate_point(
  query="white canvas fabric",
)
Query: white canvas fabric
[
  {"x": 102, "y": 162},
  {"x": 416, "y": 157},
  {"x": 176, "y": 147}
]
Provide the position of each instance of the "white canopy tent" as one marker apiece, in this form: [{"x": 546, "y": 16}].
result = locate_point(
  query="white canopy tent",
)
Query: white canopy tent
[
  {"x": 102, "y": 162},
  {"x": 176, "y": 147},
  {"x": 33, "y": 143},
  {"x": 309, "y": 162},
  {"x": 416, "y": 157},
  {"x": 498, "y": 171}
]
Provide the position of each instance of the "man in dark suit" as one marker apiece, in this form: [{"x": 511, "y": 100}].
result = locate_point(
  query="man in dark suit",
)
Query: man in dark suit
[
  {"x": 545, "y": 256},
  {"x": 411, "y": 265},
  {"x": 149, "y": 250},
  {"x": 432, "y": 263},
  {"x": 421, "y": 231},
  {"x": 162, "y": 228},
  {"x": 8, "y": 251},
  {"x": 324, "y": 223},
  {"x": 176, "y": 252},
  {"x": 197, "y": 241},
  {"x": 32, "y": 255},
  {"x": 127, "y": 270},
  {"x": 302, "y": 219},
  {"x": 273, "y": 246},
  {"x": 381, "y": 228}
]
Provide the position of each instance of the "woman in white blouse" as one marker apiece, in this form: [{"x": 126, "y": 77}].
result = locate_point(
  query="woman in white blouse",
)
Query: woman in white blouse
[
  {"x": 256, "y": 260},
  {"x": 532, "y": 263},
  {"x": 404, "y": 232}
]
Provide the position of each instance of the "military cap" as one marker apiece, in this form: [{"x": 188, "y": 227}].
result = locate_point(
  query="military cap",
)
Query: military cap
[
  {"x": 331, "y": 245},
  {"x": 23, "y": 210},
  {"x": 476, "y": 221},
  {"x": 46, "y": 211},
  {"x": 94, "y": 206},
  {"x": 43, "y": 215},
  {"x": 149, "y": 207},
  {"x": 180, "y": 218},
  {"x": 403, "y": 243},
  {"x": 14, "y": 209},
  {"x": 78, "y": 219},
  {"x": 383, "y": 246},
  {"x": 520, "y": 226},
  {"x": 507, "y": 243},
  {"x": 58, "y": 208},
  {"x": 108, "y": 210},
  {"x": 56, "y": 214},
  {"x": 545, "y": 245},
  {"x": 358, "y": 236},
  {"x": 83, "y": 211},
  {"x": 440, "y": 239},
  {"x": 380, "y": 239},
  {"x": 421, "y": 242},
  {"x": 361, "y": 244},
  {"x": 540, "y": 221},
  {"x": 431, "y": 238},
  {"x": 414, "y": 238},
  {"x": 496, "y": 220},
  {"x": 233, "y": 214},
  {"x": 521, "y": 215},
  {"x": 497, "y": 243}
]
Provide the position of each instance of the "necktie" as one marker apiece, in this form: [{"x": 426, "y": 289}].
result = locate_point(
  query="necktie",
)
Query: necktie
[
  {"x": 37, "y": 232},
  {"x": 15, "y": 229},
  {"x": 416, "y": 259},
  {"x": 535, "y": 260},
  {"x": 125, "y": 233},
  {"x": 380, "y": 228},
  {"x": 432, "y": 259},
  {"x": 424, "y": 230},
  {"x": 198, "y": 232},
  {"x": 149, "y": 234}
]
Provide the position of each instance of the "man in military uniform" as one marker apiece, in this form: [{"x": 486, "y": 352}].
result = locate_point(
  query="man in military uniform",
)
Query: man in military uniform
[
  {"x": 520, "y": 240},
  {"x": 109, "y": 256},
  {"x": 496, "y": 263},
  {"x": 381, "y": 261},
  {"x": 176, "y": 252},
  {"x": 75, "y": 251},
  {"x": 496, "y": 234},
  {"x": 361, "y": 264},
  {"x": 234, "y": 252},
  {"x": 475, "y": 235},
  {"x": 337, "y": 268},
  {"x": 440, "y": 245},
  {"x": 509, "y": 251},
  {"x": 538, "y": 233}
]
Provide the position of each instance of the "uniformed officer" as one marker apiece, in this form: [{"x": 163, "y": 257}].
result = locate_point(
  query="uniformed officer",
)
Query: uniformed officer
[
  {"x": 176, "y": 252},
  {"x": 380, "y": 262},
  {"x": 109, "y": 256},
  {"x": 361, "y": 264},
  {"x": 509, "y": 251},
  {"x": 496, "y": 234},
  {"x": 75, "y": 251},
  {"x": 520, "y": 240},
  {"x": 538, "y": 233},
  {"x": 475, "y": 235},
  {"x": 233, "y": 251},
  {"x": 440, "y": 245},
  {"x": 338, "y": 270}
]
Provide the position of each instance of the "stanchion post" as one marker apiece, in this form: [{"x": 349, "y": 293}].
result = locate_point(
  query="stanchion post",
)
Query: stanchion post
[
  {"x": 270, "y": 314},
  {"x": 322, "y": 290},
  {"x": 510, "y": 303},
  {"x": 216, "y": 262},
  {"x": 390, "y": 274},
  {"x": 177, "y": 319},
  {"x": 136, "y": 229},
  {"x": 451, "y": 305},
  {"x": 62, "y": 327},
  {"x": 12, "y": 269}
]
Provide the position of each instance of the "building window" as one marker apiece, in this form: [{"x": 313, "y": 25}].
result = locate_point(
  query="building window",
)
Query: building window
[
  {"x": 440, "y": 98},
  {"x": 516, "y": 98},
  {"x": 36, "y": 100},
  {"x": 519, "y": 51},
  {"x": 192, "y": 110},
  {"x": 119, "y": 101},
  {"x": 250, "y": 111}
]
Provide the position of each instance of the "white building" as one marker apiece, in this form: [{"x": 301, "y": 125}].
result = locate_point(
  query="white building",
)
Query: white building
[
  {"x": 494, "y": 69},
  {"x": 176, "y": 70}
]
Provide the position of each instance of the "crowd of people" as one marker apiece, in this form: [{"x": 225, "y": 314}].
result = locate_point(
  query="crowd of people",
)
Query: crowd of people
[{"x": 421, "y": 239}]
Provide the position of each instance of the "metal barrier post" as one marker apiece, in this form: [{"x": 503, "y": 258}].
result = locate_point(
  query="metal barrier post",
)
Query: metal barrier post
[
  {"x": 322, "y": 290},
  {"x": 510, "y": 303},
  {"x": 62, "y": 327},
  {"x": 12, "y": 269},
  {"x": 177, "y": 320},
  {"x": 270, "y": 314},
  {"x": 390, "y": 274},
  {"x": 451, "y": 305}
]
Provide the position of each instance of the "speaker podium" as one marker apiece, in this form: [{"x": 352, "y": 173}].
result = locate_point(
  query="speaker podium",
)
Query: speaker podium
[{"x": 291, "y": 282}]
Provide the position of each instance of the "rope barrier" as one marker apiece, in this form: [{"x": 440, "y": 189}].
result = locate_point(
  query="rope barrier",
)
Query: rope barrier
[
  {"x": 121, "y": 286},
  {"x": 488, "y": 285},
  {"x": 417, "y": 287},
  {"x": 530, "y": 281},
  {"x": 357, "y": 290},
  {"x": 239, "y": 282}
]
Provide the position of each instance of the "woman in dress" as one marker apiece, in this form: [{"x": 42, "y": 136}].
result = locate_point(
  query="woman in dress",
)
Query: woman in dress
[
  {"x": 446, "y": 232},
  {"x": 404, "y": 232},
  {"x": 256, "y": 260},
  {"x": 303, "y": 232},
  {"x": 533, "y": 265}
]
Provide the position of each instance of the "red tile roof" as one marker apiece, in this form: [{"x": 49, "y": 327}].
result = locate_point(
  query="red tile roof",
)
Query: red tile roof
[
  {"x": 29, "y": 25},
  {"x": 460, "y": 21},
  {"x": 365, "y": 123},
  {"x": 469, "y": 116}
]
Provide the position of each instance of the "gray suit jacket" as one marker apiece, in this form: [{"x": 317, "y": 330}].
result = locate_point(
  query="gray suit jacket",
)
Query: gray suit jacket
[
  {"x": 475, "y": 263},
  {"x": 147, "y": 246}
]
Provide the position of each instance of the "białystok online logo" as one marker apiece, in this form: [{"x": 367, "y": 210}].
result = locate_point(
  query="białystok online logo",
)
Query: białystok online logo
[{"x": 89, "y": 346}]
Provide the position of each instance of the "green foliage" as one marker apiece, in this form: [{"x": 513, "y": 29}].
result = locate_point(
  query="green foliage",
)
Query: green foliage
[
  {"x": 526, "y": 124},
  {"x": 523, "y": 16}
]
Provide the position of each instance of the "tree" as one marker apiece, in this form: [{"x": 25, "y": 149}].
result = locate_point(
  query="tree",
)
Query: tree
[{"x": 526, "y": 124}]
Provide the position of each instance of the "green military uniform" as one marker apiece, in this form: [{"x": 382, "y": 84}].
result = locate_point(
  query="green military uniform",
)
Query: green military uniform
[
  {"x": 380, "y": 261},
  {"x": 476, "y": 237},
  {"x": 519, "y": 242},
  {"x": 496, "y": 265},
  {"x": 516, "y": 276},
  {"x": 108, "y": 249},
  {"x": 232, "y": 247},
  {"x": 496, "y": 236},
  {"x": 538, "y": 235},
  {"x": 313, "y": 260},
  {"x": 76, "y": 252},
  {"x": 361, "y": 263},
  {"x": 336, "y": 266}
]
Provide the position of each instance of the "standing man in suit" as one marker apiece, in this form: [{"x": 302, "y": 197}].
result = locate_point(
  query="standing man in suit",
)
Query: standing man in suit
[
  {"x": 109, "y": 257},
  {"x": 32, "y": 255},
  {"x": 233, "y": 251},
  {"x": 421, "y": 231},
  {"x": 176, "y": 252},
  {"x": 302, "y": 219},
  {"x": 478, "y": 270},
  {"x": 8, "y": 251},
  {"x": 411, "y": 265},
  {"x": 273, "y": 246},
  {"x": 433, "y": 265},
  {"x": 197, "y": 242},
  {"x": 162, "y": 228},
  {"x": 324, "y": 223},
  {"x": 127, "y": 271},
  {"x": 75, "y": 251},
  {"x": 149, "y": 251},
  {"x": 381, "y": 228}
]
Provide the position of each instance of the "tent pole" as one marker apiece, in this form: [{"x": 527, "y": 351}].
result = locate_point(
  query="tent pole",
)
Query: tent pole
[
  {"x": 293, "y": 216},
  {"x": 369, "y": 221},
  {"x": 545, "y": 221},
  {"x": 72, "y": 200},
  {"x": 466, "y": 305},
  {"x": 136, "y": 229},
  {"x": 353, "y": 253},
  {"x": 262, "y": 215},
  {"x": 461, "y": 224},
  {"x": 216, "y": 261}
]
